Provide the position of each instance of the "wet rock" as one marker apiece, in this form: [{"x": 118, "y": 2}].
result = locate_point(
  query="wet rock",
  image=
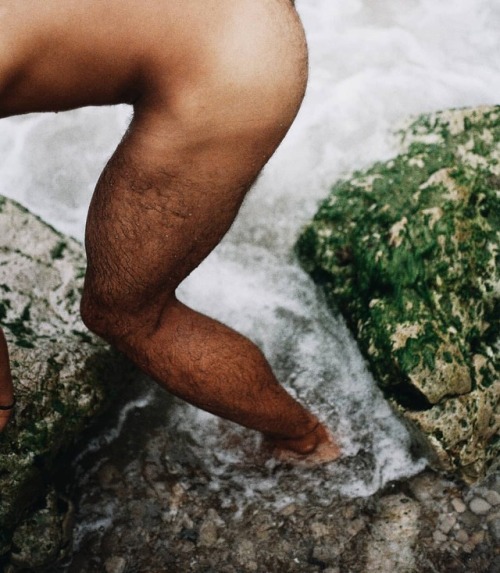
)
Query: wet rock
[
  {"x": 44, "y": 536},
  {"x": 469, "y": 520},
  {"x": 461, "y": 536},
  {"x": 407, "y": 251},
  {"x": 458, "y": 505},
  {"x": 62, "y": 377},
  {"x": 245, "y": 552},
  {"x": 492, "y": 497},
  {"x": 209, "y": 532},
  {"x": 115, "y": 565},
  {"x": 479, "y": 506},
  {"x": 494, "y": 529},
  {"x": 324, "y": 554},
  {"x": 446, "y": 523},
  {"x": 394, "y": 534}
]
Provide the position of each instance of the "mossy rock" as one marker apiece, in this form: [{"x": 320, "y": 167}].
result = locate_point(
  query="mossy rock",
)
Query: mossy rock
[
  {"x": 63, "y": 378},
  {"x": 408, "y": 252}
]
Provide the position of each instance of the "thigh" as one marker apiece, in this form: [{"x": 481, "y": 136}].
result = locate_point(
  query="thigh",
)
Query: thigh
[
  {"x": 157, "y": 212},
  {"x": 62, "y": 54}
]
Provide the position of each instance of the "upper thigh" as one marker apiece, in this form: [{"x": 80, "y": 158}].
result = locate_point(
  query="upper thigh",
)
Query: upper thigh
[
  {"x": 235, "y": 65},
  {"x": 63, "y": 54},
  {"x": 157, "y": 212},
  {"x": 60, "y": 54}
]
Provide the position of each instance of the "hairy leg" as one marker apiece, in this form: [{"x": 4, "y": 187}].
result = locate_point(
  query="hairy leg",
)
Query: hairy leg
[{"x": 149, "y": 226}]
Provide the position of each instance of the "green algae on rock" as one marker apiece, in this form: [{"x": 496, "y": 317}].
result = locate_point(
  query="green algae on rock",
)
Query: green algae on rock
[
  {"x": 407, "y": 251},
  {"x": 62, "y": 377}
]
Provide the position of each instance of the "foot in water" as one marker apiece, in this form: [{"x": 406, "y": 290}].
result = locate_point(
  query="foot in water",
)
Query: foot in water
[
  {"x": 6, "y": 389},
  {"x": 316, "y": 447}
]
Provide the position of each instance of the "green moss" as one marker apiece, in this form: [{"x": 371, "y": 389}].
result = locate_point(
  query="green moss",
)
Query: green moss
[
  {"x": 415, "y": 241},
  {"x": 58, "y": 251},
  {"x": 3, "y": 309}
]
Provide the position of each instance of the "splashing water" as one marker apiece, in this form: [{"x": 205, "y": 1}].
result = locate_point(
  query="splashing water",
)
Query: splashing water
[{"x": 372, "y": 63}]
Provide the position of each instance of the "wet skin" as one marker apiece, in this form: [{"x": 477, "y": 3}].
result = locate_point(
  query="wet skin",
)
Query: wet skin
[{"x": 215, "y": 85}]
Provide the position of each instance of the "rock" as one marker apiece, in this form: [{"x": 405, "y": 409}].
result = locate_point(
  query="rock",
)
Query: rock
[
  {"x": 393, "y": 536},
  {"x": 115, "y": 565},
  {"x": 458, "y": 505},
  {"x": 245, "y": 552},
  {"x": 44, "y": 536},
  {"x": 479, "y": 506},
  {"x": 208, "y": 533},
  {"x": 407, "y": 252},
  {"x": 446, "y": 523},
  {"x": 62, "y": 377},
  {"x": 492, "y": 497},
  {"x": 494, "y": 528},
  {"x": 462, "y": 536}
]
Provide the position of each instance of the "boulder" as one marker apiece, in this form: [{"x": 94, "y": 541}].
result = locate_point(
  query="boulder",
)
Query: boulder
[
  {"x": 407, "y": 250},
  {"x": 62, "y": 376}
]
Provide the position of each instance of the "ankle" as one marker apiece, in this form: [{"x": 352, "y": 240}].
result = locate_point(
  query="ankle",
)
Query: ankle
[{"x": 303, "y": 444}]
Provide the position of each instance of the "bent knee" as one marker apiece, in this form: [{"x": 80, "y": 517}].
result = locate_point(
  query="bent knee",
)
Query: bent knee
[
  {"x": 118, "y": 321},
  {"x": 238, "y": 85},
  {"x": 104, "y": 318},
  {"x": 96, "y": 316}
]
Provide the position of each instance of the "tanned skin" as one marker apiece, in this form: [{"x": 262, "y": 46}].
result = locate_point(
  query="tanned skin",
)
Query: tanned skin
[{"x": 215, "y": 86}]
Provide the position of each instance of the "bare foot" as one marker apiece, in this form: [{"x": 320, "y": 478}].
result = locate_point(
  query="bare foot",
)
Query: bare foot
[{"x": 317, "y": 447}]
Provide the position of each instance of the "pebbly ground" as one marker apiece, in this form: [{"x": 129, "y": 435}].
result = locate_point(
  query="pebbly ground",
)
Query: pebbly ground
[{"x": 144, "y": 506}]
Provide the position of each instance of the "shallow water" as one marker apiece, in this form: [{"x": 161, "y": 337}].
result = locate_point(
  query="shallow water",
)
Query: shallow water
[{"x": 372, "y": 64}]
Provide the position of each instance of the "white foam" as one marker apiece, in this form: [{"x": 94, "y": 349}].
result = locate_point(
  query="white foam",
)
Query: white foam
[{"x": 372, "y": 65}]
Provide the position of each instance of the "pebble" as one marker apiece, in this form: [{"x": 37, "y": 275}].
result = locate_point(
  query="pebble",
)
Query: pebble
[
  {"x": 349, "y": 512},
  {"x": 325, "y": 553},
  {"x": 494, "y": 529},
  {"x": 208, "y": 533},
  {"x": 439, "y": 537},
  {"x": 477, "y": 537},
  {"x": 462, "y": 536},
  {"x": 492, "y": 497},
  {"x": 495, "y": 566},
  {"x": 115, "y": 565},
  {"x": 108, "y": 475},
  {"x": 319, "y": 529},
  {"x": 246, "y": 552},
  {"x": 446, "y": 523},
  {"x": 289, "y": 509},
  {"x": 469, "y": 520},
  {"x": 479, "y": 506},
  {"x": 458, "y": 505}
]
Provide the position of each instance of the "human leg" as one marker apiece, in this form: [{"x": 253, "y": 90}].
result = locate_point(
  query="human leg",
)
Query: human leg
[
  {"x": 210, "y": 111},
  {"x": 146, "y": 231}
]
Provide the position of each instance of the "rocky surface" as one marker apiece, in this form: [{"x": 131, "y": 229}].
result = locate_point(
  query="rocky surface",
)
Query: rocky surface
[
  {"x": 62, "y": 378},
  {"x": 146, "y": 503},
  {"x": 408, "y": 251}
]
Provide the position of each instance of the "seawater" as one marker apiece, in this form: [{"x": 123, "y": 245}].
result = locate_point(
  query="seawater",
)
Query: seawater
[{"x": 373, "y": 63}]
